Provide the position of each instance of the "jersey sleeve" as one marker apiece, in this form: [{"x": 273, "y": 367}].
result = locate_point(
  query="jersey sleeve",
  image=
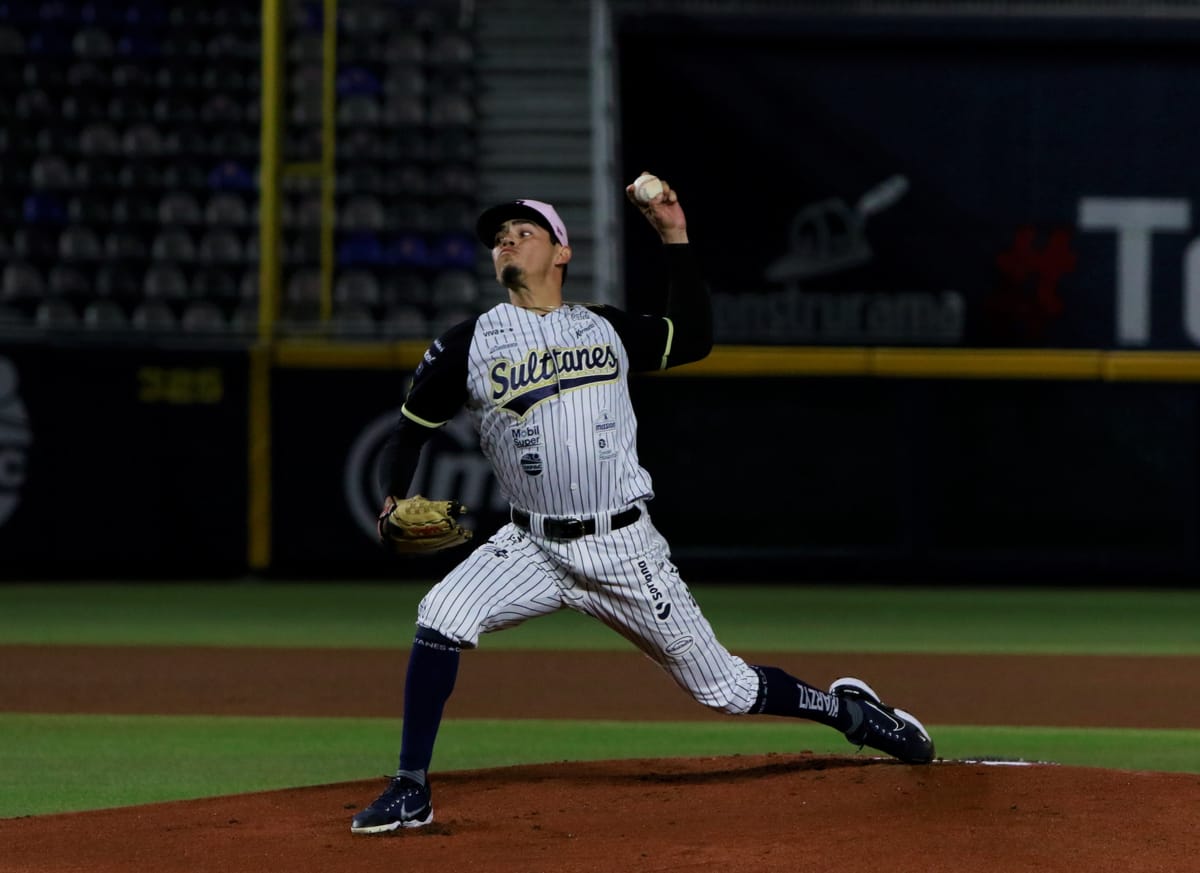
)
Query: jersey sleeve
[
  {"x": 438, "y": 390},
  {"x": 439, "y": 384},
  {"x": 647, "y": 338},
  {"x": 683, "y": 332}
]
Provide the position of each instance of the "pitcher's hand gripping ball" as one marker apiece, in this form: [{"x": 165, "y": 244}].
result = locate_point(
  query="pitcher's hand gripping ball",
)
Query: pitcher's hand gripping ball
[
  {"x": 416, "y": 525},
  {"x": 646, "y": 187}
]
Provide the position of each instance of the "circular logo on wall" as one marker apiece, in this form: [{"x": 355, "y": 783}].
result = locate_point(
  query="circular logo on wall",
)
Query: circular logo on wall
[
  {"x": 15, "y": 440},
  {"x": 451, "y": 468}
]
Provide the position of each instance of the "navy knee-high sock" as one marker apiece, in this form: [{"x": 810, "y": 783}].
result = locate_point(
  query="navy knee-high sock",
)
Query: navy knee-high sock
[
  {"x": 432, "y": 669},
  {"x": 780, "y": 693}
]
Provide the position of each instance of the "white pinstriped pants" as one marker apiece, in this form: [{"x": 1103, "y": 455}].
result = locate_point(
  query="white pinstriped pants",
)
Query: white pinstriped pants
[{"x": 624, "y": 579}]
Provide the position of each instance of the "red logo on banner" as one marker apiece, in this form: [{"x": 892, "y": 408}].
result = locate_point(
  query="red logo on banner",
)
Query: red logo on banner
[{"x": 1027, "y": 298}]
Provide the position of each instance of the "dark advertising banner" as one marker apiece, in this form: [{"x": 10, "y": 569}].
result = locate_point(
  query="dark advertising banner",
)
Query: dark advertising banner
[
  {"x": 926, "y": 180},
  {"x": 869, "y": 478},
  {"x": 329, "y": 427},
  {"x": 122, "y": 461}
]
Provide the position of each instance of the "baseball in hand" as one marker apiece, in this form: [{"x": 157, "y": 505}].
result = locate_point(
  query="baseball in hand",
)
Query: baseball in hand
[{"x": 646, "y": 187}]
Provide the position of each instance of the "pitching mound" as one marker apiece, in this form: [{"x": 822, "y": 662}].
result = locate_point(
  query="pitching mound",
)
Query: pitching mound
[{"x": 730, "y": 814}]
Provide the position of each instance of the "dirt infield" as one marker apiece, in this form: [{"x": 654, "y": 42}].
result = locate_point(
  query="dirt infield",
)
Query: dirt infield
[{"x": 735, "y": 814}]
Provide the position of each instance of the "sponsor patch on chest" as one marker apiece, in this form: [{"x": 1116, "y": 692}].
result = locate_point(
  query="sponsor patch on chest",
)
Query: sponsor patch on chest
[{"x": 526, "y": 436}]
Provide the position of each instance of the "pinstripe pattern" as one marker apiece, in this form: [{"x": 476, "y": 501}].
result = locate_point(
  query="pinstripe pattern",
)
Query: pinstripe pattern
[
  {"x": 550, "y": 398},
  {"x": 548, "y": 456}
]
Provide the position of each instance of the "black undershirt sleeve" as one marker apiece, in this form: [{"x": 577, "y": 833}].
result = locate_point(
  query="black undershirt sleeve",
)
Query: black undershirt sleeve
[
  {"x": 438, "y": 391},
  {"x": 679, "y": 330}
]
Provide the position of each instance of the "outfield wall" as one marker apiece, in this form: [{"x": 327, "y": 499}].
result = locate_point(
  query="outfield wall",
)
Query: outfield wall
[{"x": 768, "y": 463}]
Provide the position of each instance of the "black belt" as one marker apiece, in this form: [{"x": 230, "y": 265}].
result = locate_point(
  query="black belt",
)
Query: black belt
[{"x": 574, "y": 528}]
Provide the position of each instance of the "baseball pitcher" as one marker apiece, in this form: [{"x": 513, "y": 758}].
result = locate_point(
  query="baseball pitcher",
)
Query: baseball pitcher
[{"x": 546, "y": 383}]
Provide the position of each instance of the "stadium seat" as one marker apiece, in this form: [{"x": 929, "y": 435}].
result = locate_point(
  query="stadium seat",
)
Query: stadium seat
[
  {"x": 179, "y": 208},
  {"x": 43, "y": 208},
  {"x": 96, "y": 174},
  {"x": 55, "y": 138},
  {"x": 454, "y": 180},
  {"x": 203, "y": 316},
  {"x": 12, "y": 318},
  {"x": 450, "y": 110},
  {"x": 104, "y": 315},
  {"x": 405, "y": 47},
  {"x": 214, "y": 284},
  {"x": 453, "y": 145},
  {"x": 357, "y": 80},
  {"x": 455, "y": 288},
  {"x": 21, "y": 282},
  {"x": 171, "y": 109},
  {"x": 165, "y": 282},
  {"x": 227, "y": 79},
  {"x": 248, "y": 286},
  {"x": 50, "y": 45},
  {"x": 128, "y": 108},
  {"x": 220, "y": 246},
  {"x": 99, "y": 138},
  {"x": 221, "y": 109},
  {"x": 231, "y": 176},
  {"x": 68, "y": 282},
  {"x": 451, "y": 48},
  {"x": 131, "y": 76},
  {"x": 182, "y": 175},
  {"x": 244, "y": 318},
  {"x": 135, "y": 209},
  {"x": 444, "y": 319},
  {"x": 89, "y": 209},
  {"x": 80, "y": 108},
  {"x": 409, "y": 216},
  {"x": 118, "y": 282},
  {"x": 78, "y": 243},
  {"x": 12, "y": 43},
  {"x": 34, "y": 105},
  {"x": 303, "y": 286},
  {"x": 305, "y": 48},
  {"x": 142, "y": 45},
  {"x": 35, "y": 243},
  {"x": 405, "y": 80},
  {"x": 364, "y": 20},
  {"x": 404, "y": 322},
  {"x": 143, "y": 140},
  {"x": 353, "y": 321},
  {"x": 173, "y": 244},
  {"x": 361, "y": 212},
  {"x": 356, "y": 287},
  {"x": 408, "y": 250},
  {"x": 308, "y": 213},
  {"x": 403, "y": 110},
  {"x": 360, "y": 109},
  {"x": 154, "y": 316},
  {"x": 360, "y": 144},
  {"x": 140, "y": 175},
  {"x": 454, "y": 214},
  {"x": 181, "y": 76},
  {"x": 228, "y": 209},
  {"x": 455, "y": 250},
  {"x": 55, "y": 313},
  {"x": 124, "y": 245},
  {"x": 51, "y": 172},
  {"x": 86, "y": 76},
  {"x": 404, "y": 288},
  {"x": 359, "y": 249}
]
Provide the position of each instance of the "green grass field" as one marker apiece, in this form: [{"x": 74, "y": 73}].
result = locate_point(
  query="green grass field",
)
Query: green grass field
[{"x": 66, "y": 762}]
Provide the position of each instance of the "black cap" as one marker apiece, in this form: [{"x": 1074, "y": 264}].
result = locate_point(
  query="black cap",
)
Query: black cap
[{"x": 535, "y": 210}]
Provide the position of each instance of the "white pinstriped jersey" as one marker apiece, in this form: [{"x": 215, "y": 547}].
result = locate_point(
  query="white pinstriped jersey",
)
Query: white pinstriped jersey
[{"x": 549, "y": 397}]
